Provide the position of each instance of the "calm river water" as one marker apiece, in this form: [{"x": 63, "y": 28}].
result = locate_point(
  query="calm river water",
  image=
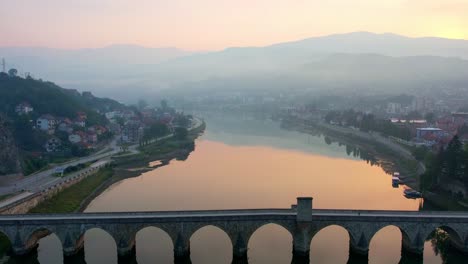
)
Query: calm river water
[{"x": 246, "y": 163}]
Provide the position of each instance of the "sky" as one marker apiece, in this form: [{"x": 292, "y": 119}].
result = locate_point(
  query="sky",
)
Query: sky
[{"x": 217, "y": 24}]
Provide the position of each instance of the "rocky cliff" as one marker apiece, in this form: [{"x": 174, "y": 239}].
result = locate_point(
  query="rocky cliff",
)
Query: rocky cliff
[{"x": 9, "y": 159}]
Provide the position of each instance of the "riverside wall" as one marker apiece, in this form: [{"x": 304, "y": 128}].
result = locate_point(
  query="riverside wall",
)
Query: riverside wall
[{"x": 23, "y": 206}]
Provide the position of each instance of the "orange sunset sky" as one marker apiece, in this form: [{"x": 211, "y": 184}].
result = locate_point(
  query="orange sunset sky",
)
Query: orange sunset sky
[{"x": 217, "y": 24}]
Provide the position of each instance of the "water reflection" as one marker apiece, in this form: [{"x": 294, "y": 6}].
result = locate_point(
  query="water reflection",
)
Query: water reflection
[
  {"x": 442, "y": 246},
  {"x": 153, "y": 244},
  {"x": 330, "y": 237},
  {"x": 99, "y": 239},
  {"x": 50, "y": 256},
  {"x": 270, "y": 243},
  {"x": 385, "y": 246},
  {"x": 210, "y": 245}
]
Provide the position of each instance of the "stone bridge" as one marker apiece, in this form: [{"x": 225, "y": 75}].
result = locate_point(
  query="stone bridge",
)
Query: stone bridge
[{"x": 300, "y": 220}]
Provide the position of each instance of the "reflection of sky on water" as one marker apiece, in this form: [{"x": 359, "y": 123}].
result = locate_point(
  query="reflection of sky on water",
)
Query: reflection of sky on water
[
  {"x": 252, "y": 164},
  {"x": 248, "y": 131}
]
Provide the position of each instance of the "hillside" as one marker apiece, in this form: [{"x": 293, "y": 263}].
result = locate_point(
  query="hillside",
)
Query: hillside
[
  {"x": 38, "y": 118},
  {"x": 48, "y": 98},
  {"x": 9, "y": 160},
  {"x": 308, "y": 63}
]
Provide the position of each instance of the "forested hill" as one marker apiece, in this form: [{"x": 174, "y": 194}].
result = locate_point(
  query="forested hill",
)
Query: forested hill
[
  {"x": 48, "y": 98},
  {"x": 27, "y": 144}
]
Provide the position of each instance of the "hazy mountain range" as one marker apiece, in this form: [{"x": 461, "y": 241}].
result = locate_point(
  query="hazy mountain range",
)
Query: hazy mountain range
[{"x": 346, "y": 61}]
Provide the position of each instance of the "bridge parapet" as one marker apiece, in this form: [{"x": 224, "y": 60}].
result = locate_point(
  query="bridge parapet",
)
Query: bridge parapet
[{"x": 303, "y": 223}]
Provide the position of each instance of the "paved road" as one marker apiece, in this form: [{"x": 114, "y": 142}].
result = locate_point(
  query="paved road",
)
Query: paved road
[
  {"x": 46, "y": 176},
  {"x": 15, "y": 198}
]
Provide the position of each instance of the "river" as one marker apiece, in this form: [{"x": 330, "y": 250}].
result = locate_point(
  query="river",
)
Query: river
[{"x": 242, "y": 162}]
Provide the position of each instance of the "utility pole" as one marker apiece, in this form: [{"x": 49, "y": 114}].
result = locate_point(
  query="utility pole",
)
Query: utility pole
[{"x": 3, "y": 65}]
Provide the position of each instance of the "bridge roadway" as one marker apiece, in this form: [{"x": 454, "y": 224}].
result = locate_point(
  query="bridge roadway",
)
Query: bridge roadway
[
  {"x": 238, "y": 213},
  {"x": 301, "y": 220}
]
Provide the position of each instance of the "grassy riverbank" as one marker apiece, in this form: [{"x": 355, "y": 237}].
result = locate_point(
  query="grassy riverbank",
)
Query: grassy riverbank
[{"x": 70, "y": 199}]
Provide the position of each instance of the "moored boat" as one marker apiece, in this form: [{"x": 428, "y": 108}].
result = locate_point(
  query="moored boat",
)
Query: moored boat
[
  {"x": 410, "y": 193},
  {"x": 395, "y": 181}
]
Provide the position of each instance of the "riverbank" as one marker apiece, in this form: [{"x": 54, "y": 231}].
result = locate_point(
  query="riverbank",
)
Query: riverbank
[
  {"x": 390, "y": 156},
  {"x": 77, "y": 197},
  {"x": 127, "y": 167}
]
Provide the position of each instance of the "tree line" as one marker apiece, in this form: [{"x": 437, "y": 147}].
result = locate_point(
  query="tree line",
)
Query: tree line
[
  {"x": 368, "y": 122},
  {"x": 449, "y": 164}
]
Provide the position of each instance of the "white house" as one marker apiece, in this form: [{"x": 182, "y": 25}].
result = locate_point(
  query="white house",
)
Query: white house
[
  {"x": 24, "y": 108},
  {"x": 74, "y": 138},
  {"x": 46, "y": 123}
]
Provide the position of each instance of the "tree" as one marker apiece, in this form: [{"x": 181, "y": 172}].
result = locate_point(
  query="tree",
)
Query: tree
[
  {"x": 13, "y": 72},
  {"x": 180, "y": 133},
  {"x": 124, "y": 147},
  {"x": 430, "y": 117},
  {"x": 154, "y": 131},
  {"x": 163, "y": 104},
  {"x": 465, "y": 166},
  {"x": 181, "y": 120},
  {"x": 454, "y": 158}
]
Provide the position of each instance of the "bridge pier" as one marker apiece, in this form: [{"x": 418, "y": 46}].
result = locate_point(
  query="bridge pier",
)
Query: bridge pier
[
  {"x": 72, "y": 244},
  {"x": 78, "y": 257},
  {"x": 126, "y": 255},
  {"x": 412, "y": 246},
  {"x": 355, "y": 258},
  {"x": 126, "y": 252},
  {"x": 358, "y": 250},
  {"x": 28, "y": 257},
  {"x": 182, "y": 250},
  {"x": 301, "y": 243},
  {"x": 302, "y": 235},
  {"x": 23, "y": 251},
  {"x": 239, "y": 250},
  {"x": 410, "y": 258},
  {"x": 299, "y": 258}
]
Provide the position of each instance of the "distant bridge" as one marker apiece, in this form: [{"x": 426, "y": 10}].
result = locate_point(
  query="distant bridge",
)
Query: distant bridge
[{"x": 300, "y": 220}]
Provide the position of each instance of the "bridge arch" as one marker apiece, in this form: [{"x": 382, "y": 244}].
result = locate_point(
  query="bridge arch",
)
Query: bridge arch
[
  {"x": 35, "y": 235},
  {"x": 454, "y": 236},
  {"x": 330, "y": 236},
  {"x": 97, "y": 237},
  {"x": 380, "y": 248},
  {"x": 6, "y": 243},
  {"x": 254, "y": 227},
  {"x": 50, "y": 249},
  {"x": 153, "y": 242},
  {"x": 222, "y": 246},
  {"x": 271, "y": 235}
]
